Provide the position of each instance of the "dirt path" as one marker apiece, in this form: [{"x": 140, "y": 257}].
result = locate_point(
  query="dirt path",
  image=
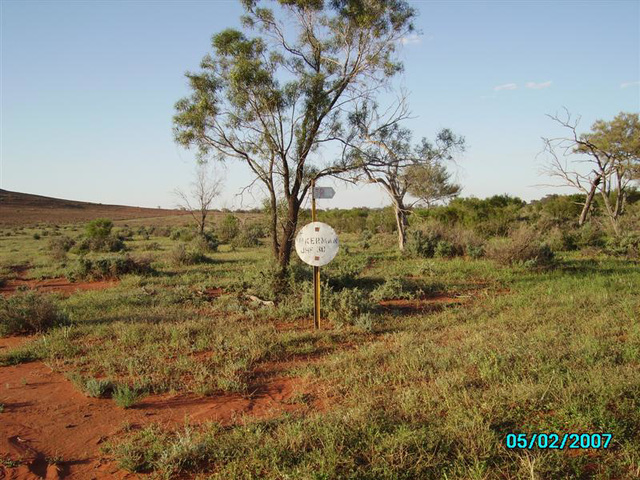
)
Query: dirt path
[
  {"x": 54, "y": 285},
  {"x": 46, "y": 420}
]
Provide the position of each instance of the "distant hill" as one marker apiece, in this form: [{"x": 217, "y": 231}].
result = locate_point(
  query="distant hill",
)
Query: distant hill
[{"x": 26, "y": 209}]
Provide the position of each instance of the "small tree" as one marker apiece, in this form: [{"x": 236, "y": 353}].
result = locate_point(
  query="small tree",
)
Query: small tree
[
  {"x": 386, "y": 157},
  {"x": 611, "y": 152},
  {"x": 204, "y": 189}
]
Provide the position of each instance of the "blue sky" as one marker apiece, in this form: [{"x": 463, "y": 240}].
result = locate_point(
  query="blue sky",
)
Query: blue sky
[{"x": 88, "y": 89}]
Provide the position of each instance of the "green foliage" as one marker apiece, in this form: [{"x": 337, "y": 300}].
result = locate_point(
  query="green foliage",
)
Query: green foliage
[
  {"x": 184, "y": 234},
  {"x": 29, "y": 312},
  {"x": 345, "y": 272},
  {"x": 395, "y": 287},
  {"x": 98, "y": 387},
  {"x": 491, "y": 216},
  {"x": 228, "y": 228},
  {"x": 126, "y": 396},
  {"x": 206, "y": 243},
  {"x": 347, "y": 306},
  {"x": 111, "y": 267},
  {"x": 99, "y": 243},
  {"x": 422, "y": 243},
  {"x": 249, "y": 236},
  {"x": 99, "y": 228},
  {"x": 180, "y": 255},
  {"x": 59, "y": 246}
]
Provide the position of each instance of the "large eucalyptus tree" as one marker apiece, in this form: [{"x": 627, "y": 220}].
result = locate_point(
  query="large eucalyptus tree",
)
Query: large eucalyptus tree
[{"x": 271, "y": 94}]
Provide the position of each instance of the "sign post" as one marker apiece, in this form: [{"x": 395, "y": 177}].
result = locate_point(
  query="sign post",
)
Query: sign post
[
  {"x": 317, "y": 244},
  {"x": 316, "y": 270}
]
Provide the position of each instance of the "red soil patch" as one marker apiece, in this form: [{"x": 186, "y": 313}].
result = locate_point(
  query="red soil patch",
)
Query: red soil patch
[
  {"x": 57, "y": 285},
  {"x": 46, "y": 417},
  {"x": 436, "y": 302}
]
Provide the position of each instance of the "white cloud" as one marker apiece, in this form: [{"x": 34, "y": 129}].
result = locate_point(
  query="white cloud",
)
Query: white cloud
[
  {"x": 538, "y": 86},
  {"x": 506, "y": 86},
  {"x": 629, "y": 84},
  {"x": 411, "y": 39}
]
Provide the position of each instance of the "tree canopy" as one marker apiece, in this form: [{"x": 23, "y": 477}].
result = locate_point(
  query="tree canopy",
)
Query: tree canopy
[{"x": 272, "y": 94}]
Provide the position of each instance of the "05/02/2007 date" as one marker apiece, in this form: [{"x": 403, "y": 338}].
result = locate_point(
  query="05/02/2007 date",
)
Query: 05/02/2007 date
[{"x": 557, "y": 441}]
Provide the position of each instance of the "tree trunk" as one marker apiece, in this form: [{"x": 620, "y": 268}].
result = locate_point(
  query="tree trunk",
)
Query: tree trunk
[
  {"x": 288, "y": 235},
  {"x": 588, "y": 201},
  {"x": 401, "y": 222},
  {"x": 274, "y": 225},
  {"x": 203, "y": 219}
]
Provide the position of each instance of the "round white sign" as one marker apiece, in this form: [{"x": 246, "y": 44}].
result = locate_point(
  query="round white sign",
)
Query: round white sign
[{"x": 317, "y": 244}]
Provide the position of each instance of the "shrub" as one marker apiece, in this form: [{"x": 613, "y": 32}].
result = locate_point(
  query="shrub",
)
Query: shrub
[
  {"x": 125, "y": 234},
  {"x": 36, "y": 236},
  {"x": 29, "y": 312},
  {"x": 365, "y": 239},
  {"x": 521, "y": 247},
  {"x": 109, "y": 267},
  {"x": 181, "y": 256},
  {"x": 347, "y": 306},
  {"x": 206, "y": 243},
  {"x": 229, "y": 228},
  {"x": 98, "y": 388},
  {"x": 249, "y": 236},
  {"x": 444, "y": 249},
  {"x": 345, "y": 273},
  {"x": 625, "y": 245},
  {"x": 99, "y": 228},
  {"x": 422, "y": 244},
  {"x": 59, "y": 246},
  {"x": 393, "y": 288},
  {"x": 475, "y": 251},
  {"x": 125, "y": 396},
  {"x": 182, "y": 233}
]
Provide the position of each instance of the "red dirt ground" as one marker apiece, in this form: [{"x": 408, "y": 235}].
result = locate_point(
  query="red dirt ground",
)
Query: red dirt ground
[
  {"x": 57, "y": 285},
  {"x": 46, "y": 417},
  {"x": 432, "y": 303}
]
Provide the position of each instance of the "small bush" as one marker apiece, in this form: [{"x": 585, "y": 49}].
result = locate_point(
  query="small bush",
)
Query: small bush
[
  {"x": 422, "y": 244},
  {"x": 125, "y": 396},
  {"x": 345, "y": 273},
  {"x": 36, "y": 236},
  {"x": 125, "y": 234},
  {"x": 98, "y": 388},
  {"x": 184, "y": 234},
  {"x": 445, "y": 249},
  {"x": 627, "y": 245},
  {"x": 475, "y": 251},
  {"x": 109, "y": 267},
  {"x": 206, "y": 243},
  {"x": 99, "y": 228},
  {"x": 365, "y": 239},
  {"x": 521, "y": 247},
  {"x": 347, "y": 306},
  {"x": 181, "y": 256},
  {"x": 249, "y": 236},
  {"x": 229, "y": 228},
  {"x": 29, "y": 312},
  {"x": 395, "y": 288},
  {"x": 59, "y": 246}
]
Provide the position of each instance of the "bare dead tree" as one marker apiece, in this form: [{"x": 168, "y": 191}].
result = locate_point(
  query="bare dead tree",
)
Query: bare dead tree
[
  {"x": 610, "y": 152},
  {"x": 198, "y": 200}
]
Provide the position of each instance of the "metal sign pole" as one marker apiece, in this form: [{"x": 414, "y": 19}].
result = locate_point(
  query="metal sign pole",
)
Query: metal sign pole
[{"x": 316, "y": 270}]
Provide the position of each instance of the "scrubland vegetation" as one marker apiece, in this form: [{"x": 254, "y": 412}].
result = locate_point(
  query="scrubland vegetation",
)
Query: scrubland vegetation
[{"x": 499, "y": 317}]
